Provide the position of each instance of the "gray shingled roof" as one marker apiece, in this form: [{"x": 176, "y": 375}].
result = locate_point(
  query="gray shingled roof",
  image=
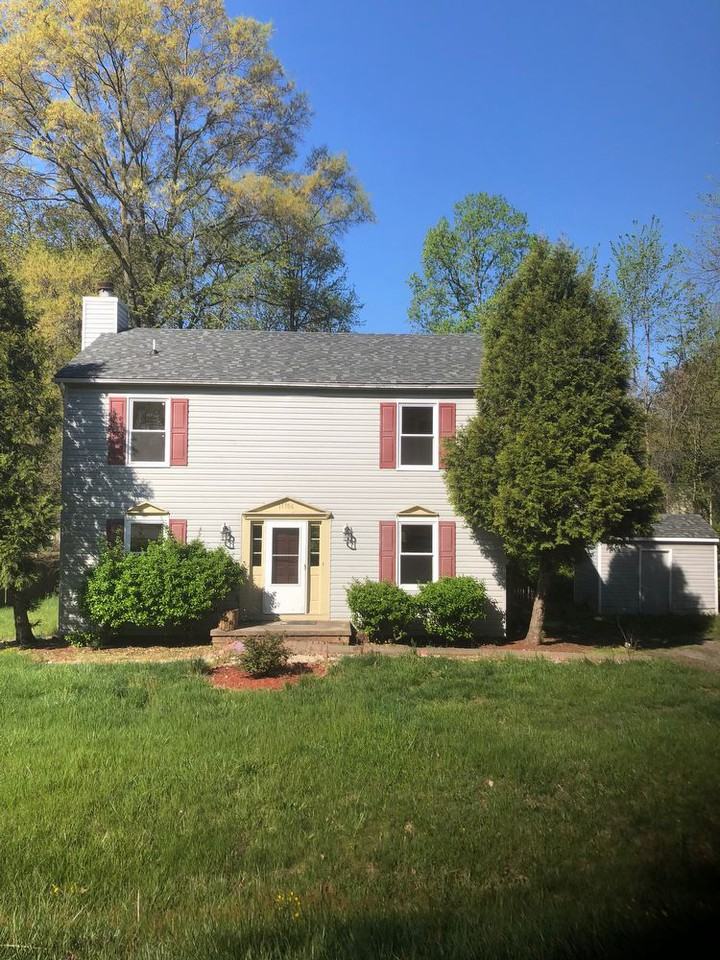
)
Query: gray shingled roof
[
  {"x": 687, "y": 525},
  {"x": 277, "y": 358}
]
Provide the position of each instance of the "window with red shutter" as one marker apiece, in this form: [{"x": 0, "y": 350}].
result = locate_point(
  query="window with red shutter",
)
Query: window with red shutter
[
  {"x": 178, "y": 433},
  {"x": 178, "y": 530},
  {"x": 447, "y": 427},
  {"x": 117, "y": 426},
  {"x": 388, "y": 435},
  {"x": 446, "y": 536},
  {"x": 115, "y": 530},
  {"x": 387, "y": 550}
]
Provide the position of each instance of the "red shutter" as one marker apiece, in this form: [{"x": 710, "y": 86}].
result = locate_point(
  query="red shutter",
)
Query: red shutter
[
  {"x": 117, "y": 418},
  {"x": 178, "y": 433},
  {"x": 388, "y": 435},
  {"x": 447, "y": 427},
  {"x": 387, "y": 550},
  {"x": 178, "y": 530},
  {"x": 115, "y": 530},
  {"x": 446, "y": 534}
]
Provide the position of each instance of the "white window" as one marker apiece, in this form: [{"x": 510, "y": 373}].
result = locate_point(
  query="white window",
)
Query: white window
[
  {"x": 417, "y": 556},
  {"x": 140, "y": 531},
  {"x": 149, "y": 433},
  {"x": 417, "y": 436}
]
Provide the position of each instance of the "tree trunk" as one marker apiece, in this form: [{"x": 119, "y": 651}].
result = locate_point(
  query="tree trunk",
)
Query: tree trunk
[
  {"x": 23, "y": 630},
  {"x": 535, "y": 634}
]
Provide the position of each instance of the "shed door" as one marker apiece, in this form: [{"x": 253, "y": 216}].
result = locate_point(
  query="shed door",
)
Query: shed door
[{"x": 655, "y": 566}]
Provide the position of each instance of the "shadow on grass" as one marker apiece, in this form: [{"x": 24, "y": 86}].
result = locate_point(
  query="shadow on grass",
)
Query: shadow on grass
[
  {"x": 444, "y": 934},
  {"x": 201, "y": 639},
  {"x": 567, "y": 623}
]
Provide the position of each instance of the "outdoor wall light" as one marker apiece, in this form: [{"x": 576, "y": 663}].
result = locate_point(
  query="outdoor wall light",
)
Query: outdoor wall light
[
  {"x": 226, "y": 535},
  {"x": 350, "y": 538}
]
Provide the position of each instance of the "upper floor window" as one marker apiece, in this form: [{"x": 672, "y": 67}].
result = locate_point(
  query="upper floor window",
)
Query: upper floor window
[
  {"x": 418, "y": 435},
  {"x": 149, "y": 432}
]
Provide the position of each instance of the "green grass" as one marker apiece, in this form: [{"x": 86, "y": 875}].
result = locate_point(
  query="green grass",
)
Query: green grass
[
  {"x": 44, "y": 620},
  {"x": 414, "y": 807}
]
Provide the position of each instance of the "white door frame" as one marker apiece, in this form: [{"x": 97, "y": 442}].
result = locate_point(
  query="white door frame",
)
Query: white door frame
[{"x": 286, "y": 598}]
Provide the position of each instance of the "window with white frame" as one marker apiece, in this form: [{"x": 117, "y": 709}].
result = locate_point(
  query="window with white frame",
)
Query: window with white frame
[
  {"x": 417, "y": 436},
  {"x": 149, "y": 431},
  {"x": 417, "y": 556},
  {"x": 140, "y": 531}
]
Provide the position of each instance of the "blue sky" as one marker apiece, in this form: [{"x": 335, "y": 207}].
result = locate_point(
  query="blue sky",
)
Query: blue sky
[{"x": 586, "y": 115}]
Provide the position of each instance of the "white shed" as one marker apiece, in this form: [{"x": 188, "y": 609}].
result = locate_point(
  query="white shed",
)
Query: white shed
[{"x": 673, "y": 571}]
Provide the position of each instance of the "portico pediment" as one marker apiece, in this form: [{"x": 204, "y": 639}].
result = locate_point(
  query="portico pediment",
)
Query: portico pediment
[{"x": 288, "y": 507}]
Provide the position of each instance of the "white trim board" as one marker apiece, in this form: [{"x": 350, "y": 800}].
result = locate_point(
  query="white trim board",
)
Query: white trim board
[{"x": 670, "y": 540}]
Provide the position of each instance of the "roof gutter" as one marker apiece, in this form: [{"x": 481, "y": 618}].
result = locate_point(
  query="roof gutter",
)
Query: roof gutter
[{"x": 274, "y": 384}]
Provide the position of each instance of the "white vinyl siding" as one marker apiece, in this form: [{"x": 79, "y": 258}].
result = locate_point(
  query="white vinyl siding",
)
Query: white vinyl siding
[
  {"x": 102, "y": 315},
  {"x": 249, "y": 448}
]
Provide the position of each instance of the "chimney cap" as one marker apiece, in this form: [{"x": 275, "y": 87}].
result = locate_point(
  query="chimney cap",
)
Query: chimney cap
[{"x": 105, "y": 287}]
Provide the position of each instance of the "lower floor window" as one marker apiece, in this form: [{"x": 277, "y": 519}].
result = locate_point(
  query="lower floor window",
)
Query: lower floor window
[
  {"x": 141, "y": 534},
  {"x": 417, "y": 553}
]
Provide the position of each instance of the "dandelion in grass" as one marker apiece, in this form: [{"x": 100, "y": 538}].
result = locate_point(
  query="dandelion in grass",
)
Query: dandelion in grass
[{"x": 289, "y": 904}]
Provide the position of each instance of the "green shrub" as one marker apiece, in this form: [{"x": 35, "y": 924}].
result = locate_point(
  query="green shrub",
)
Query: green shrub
[
  {"x": 84, "y": 638},
  {"x": 383, "y": 610},
  {"x": 167, "y": 585},
  {"x": 264, "y": 654},
  {"x": 451, "y": 607}
]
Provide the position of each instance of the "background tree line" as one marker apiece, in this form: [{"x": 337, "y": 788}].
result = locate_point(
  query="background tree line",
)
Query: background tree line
[{"x": 664, "y": 294}]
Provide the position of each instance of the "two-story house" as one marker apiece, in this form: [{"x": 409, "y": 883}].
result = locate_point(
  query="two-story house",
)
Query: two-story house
[{"x": 313, "y": 458}]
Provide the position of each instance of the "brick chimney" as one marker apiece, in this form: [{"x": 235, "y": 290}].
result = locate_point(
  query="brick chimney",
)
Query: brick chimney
[{"x": 103, "y": 313}]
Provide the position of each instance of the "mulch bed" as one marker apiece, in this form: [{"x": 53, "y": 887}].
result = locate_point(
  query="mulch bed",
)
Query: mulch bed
[{"x": 233, "y": 678}]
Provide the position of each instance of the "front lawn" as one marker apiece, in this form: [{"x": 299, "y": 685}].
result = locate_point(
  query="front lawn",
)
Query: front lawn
[
  {"x": 400, "y": 808},
  {"x": 44, "y": 620}
]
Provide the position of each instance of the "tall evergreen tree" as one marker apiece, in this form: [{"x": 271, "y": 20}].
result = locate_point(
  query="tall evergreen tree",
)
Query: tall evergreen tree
[
  {"x": 28, "y": 419},
  {"x": 554, "y": 459}
]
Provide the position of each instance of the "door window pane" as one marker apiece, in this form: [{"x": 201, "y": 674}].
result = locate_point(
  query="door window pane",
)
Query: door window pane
[
  {"x": 285, "y": 555},
  {"x": 141, "y": 534},
  {"x": 314, "y": 550},
  {"x": 256, "y": 531}
]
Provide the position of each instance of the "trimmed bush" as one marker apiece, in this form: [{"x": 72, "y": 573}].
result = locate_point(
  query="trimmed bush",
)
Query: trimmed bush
[
  {"x": 383, "y": 610},
  {"x": 451, "y": 607},
  {"x": 84, "y": 638},
  {"x": 166, "y": 586},
  {"x": 264, "y": 654}
]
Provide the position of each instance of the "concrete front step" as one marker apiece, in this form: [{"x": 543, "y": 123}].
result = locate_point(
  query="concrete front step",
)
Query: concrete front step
[{"x": 334, "y": 630}]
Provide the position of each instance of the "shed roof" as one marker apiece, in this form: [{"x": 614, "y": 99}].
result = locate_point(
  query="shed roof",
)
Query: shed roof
[
  {"x": 686, "y": 526},
  {"x": 278, "y": 358}
]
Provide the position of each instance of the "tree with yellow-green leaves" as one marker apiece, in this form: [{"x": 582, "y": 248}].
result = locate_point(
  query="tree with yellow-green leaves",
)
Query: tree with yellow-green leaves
[{"x": 169, "y": 131}]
